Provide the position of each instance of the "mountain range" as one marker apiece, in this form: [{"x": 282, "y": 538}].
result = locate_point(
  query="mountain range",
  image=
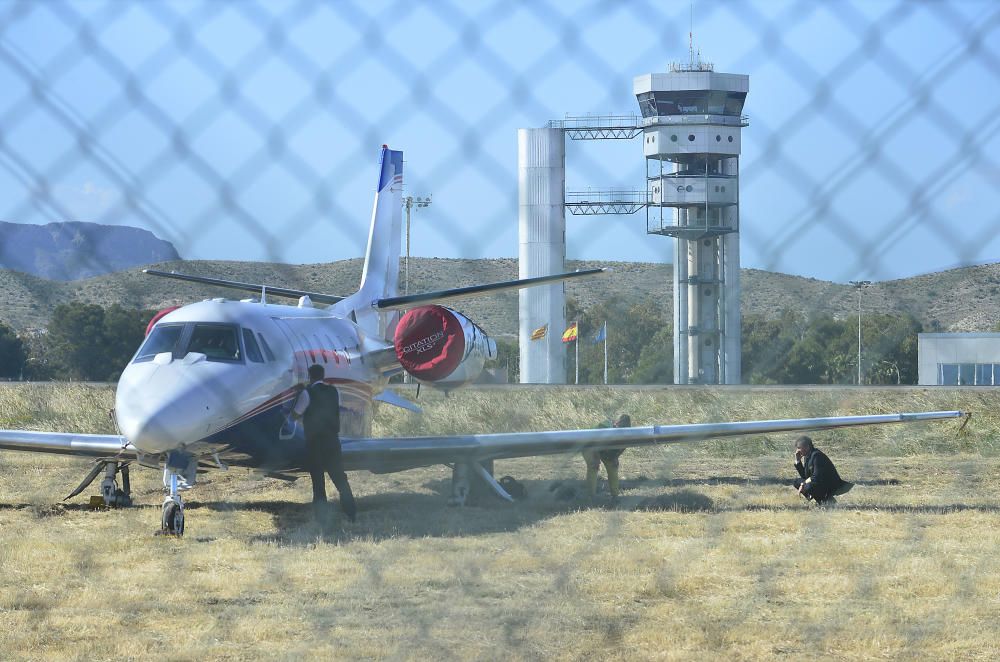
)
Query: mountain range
[
  {"x": 965, "y": 299},
  {"x": 72, "y": 250}
]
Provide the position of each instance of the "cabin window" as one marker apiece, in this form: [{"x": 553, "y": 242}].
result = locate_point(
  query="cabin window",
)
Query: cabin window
[
  {"x": 163, "y": 338},
  {"x": 250, "y": 345},
  {"x": 218, "y": 342}
]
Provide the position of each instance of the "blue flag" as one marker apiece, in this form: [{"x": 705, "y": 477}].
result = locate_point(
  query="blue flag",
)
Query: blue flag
[{"x": 602, "y": 335}]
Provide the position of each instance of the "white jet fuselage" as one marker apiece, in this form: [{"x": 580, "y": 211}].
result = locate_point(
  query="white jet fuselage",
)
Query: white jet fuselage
[{"x": 226, "y": 376}]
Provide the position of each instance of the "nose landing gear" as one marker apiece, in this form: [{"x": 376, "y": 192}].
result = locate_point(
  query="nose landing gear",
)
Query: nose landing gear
[
  {"x": 172, "y": 518},
  {"x": 180, "y": 472}
]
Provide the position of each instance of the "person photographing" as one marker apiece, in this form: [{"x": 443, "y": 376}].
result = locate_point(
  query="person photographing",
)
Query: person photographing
[{"x": 818, "y": 478}]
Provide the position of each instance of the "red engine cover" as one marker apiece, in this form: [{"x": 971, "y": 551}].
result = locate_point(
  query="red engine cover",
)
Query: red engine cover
[
  {"x": 430, "y": 342},
  {"x": 158, "y": 316}
]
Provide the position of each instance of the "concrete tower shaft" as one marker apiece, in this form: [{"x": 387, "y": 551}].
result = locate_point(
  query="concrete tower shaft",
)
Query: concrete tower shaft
[
  {"x": 692, "y": 119},
  {"x": 541, "y": 176}
]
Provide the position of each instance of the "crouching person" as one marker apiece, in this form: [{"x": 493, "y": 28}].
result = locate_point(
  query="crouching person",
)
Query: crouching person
[{"x": 818, "y": 478}]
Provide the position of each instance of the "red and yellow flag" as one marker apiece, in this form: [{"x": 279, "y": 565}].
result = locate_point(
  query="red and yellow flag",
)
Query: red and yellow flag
[
  {"x": 540, "y": 332},
  {"x": 569, "y": 335}
]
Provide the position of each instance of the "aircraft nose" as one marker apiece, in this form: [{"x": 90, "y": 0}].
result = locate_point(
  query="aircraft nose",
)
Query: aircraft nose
[
  {"x": 152, "y": 431},
  {"x": 165, "y": 411}
]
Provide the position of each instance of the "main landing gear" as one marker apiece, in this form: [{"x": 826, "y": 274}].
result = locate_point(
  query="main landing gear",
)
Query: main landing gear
[
  {"x": 473, "y": 481},
  {"x": 112, "y": 496}
]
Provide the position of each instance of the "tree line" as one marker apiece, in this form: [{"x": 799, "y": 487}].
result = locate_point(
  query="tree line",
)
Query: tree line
[
  {"x": 640, "y": 350},
  {"x": 793, "y": 348},
  {"x": 820, "y": 349},
  {"x": 88, "y": 342},
  {"x": 83, "y": 342}
]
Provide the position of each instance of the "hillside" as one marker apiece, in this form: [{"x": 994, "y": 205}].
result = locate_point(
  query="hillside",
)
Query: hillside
[
  {"x": 69, "y": 251},
  {"x": 966, "y": 299}
]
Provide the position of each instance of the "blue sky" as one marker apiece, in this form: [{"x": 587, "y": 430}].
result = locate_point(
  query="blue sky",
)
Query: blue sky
[{"x": 250, "y": 131}]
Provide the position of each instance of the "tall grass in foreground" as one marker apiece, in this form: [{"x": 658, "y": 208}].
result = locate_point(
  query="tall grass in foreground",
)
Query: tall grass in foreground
[{"x": 55, "y": 406}]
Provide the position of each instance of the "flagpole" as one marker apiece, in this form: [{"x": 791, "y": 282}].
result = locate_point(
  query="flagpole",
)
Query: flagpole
[
  {"x": 605, "y": 352},
  {"x": 576, "y": 347}
]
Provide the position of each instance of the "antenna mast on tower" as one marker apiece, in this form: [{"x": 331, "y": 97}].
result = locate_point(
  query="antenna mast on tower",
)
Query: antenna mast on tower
[{"x": 691, "y": 35}]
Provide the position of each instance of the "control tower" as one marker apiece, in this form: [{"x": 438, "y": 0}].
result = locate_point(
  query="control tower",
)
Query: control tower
[{"x": 692, "y": 118}]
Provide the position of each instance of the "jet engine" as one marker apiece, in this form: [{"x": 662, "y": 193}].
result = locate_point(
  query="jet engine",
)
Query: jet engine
[{"x": 442, "y": 346}]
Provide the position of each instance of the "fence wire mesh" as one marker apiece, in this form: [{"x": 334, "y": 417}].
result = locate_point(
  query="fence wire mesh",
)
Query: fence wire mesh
[{"x": 248, "y": 131}]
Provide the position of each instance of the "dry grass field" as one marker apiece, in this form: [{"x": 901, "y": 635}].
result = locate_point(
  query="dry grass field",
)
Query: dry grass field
[{"x": 708, "y": 554}]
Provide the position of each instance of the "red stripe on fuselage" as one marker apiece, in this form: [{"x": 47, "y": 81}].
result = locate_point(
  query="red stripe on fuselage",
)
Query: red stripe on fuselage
[
  {"x": 325, "y": 354},
  {"x": 292, "y": 393}
]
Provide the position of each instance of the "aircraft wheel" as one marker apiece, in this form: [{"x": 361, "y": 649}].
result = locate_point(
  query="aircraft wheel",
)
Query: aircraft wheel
[{"x": 172, "y": 522}]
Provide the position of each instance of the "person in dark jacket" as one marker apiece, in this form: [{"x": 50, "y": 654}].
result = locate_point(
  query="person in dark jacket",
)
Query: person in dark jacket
[
  {"x": 318, "y": 405},
  {"x": 608, "y": 457},
  {"x": 818, "y": 478}
]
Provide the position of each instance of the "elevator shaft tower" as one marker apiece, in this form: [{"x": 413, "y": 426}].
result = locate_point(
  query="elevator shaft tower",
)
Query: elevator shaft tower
[{"x": 692, "y": 121}]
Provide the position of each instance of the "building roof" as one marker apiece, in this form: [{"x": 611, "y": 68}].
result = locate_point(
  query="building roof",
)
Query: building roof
[{"x": 958, "y": 335}]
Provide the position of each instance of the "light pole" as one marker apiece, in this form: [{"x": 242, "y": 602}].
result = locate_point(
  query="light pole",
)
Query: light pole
[
  {"x": 409, "y": 202},
  {"x": 859, "y": 285}
]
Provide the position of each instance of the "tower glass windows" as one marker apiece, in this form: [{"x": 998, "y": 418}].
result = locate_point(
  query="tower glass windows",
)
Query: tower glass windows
[
  {"x": 647, "y": 105},
  {"x": 691, "y": 102}
]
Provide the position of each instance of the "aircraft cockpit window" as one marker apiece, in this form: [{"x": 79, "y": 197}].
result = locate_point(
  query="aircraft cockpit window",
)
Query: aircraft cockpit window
[
  {"x": 218, "y": 342},
  {"x": 265, "y": 347},
  {"x": 250, "y": 345},
  {"x": 163, "y": 338}
]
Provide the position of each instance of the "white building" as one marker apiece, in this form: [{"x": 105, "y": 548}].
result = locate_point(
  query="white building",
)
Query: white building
[{"x": 958, "y": 359}]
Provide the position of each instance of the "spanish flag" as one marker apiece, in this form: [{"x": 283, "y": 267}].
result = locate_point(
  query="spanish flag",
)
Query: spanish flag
[
  {"x": 540, "y": 332},
  {"x": 569, "y": 335}
]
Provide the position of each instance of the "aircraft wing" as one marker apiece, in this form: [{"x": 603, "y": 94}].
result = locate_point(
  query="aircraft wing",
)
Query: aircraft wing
[
  {"x": 62, "y": 443},
  {"x": 288, "y": 293},
  {"x": 446, "y": 296},
  {"x": 393, "y": 454}
]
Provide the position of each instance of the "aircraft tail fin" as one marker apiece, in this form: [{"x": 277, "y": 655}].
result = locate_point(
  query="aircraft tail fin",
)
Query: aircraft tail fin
[{"x": 380, "y": 276}]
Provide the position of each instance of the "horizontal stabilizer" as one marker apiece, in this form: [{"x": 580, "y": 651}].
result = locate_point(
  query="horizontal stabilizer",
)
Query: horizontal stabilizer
[
  {"x": 393, "y": 398},
  {"x": 317, "y": 297},
  {"x": 443, "y": 296}
]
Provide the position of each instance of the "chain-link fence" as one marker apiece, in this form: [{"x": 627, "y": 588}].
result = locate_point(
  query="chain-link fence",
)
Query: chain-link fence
[
  {"x": 250, "y": 132},
  {"x": 246, "y": 131},
  {"x": 242, "y": 131}
]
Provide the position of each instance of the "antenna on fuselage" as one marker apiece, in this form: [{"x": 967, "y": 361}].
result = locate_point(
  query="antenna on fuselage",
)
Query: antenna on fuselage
[{"x": 263, "y": 293}]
